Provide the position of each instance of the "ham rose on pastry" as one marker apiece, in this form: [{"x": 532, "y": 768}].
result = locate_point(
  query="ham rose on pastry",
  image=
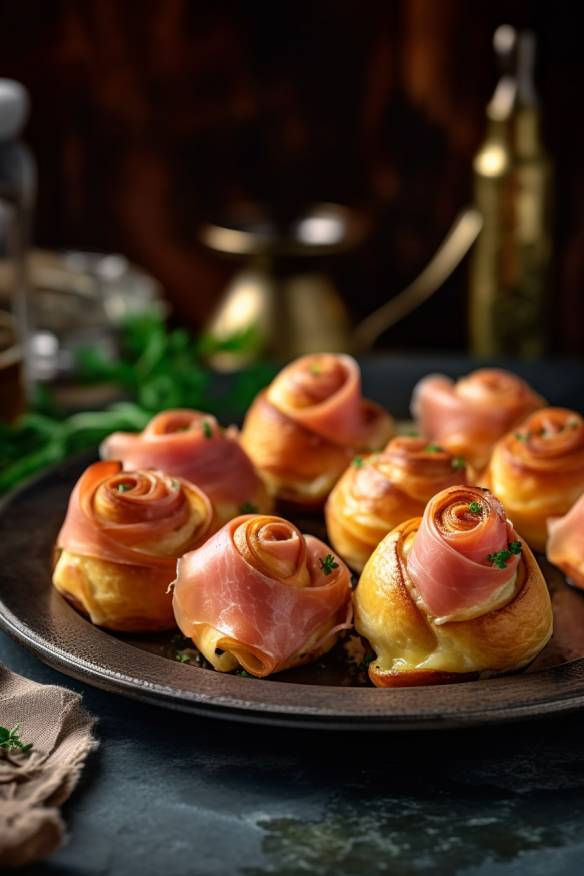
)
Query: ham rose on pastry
[
  {"x": 118, "y": 547},
  {"x": 537, "y": 471},
  {"x": 261, "y": 595},
  {"x": 468, "y": 416},
  {"x": 452, "y": 596},
  {"x": 565, "y": 545},
  {"x": 302, "y": 432},
  {"x": 380, "y": 490},
  {"x": 192, "y": 445}
]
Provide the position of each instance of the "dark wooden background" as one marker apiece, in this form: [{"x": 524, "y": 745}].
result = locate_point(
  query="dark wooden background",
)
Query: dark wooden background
[{"x": 150, "y": 116}]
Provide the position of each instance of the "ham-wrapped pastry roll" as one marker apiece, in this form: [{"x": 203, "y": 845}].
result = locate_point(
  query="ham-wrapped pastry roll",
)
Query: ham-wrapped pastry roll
[
  {"x": 381, "y": 490},
  {"x": 118, "y": 547},
  {"x": 192, "y": 445},
  {"x": 469, "y": 416},
  {"x": 262, "y": 596},
  {"x": 537, "y": 471},
  {"x": 452, "y": 596},
  {"x": 302, "y": 432},
  {"x": 565, "y": 545}
]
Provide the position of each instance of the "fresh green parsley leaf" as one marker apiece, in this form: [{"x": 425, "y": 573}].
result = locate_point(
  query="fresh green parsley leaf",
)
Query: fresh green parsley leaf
[
  {"x": 433, "y": 448},
  {"x": 207, "y": 430},
  {"x": 521, "y": 436},
  {"x": 10, "y": 740},
  {"x": 248, "y": 508},
  {"x": 458, "y": 462},
  {"x": 499, "y": 559},
  {"x": 123, "y": 488},
  {"x": 183, "y": 658},
  {"x": 475, "y": 508},
  {"x": 412, "y": 434},
  {"x": 515, "y": 547},
  {"x": 243, "y": 673},
  {"x": 358, "y": 461},
  {"x": 328, "y": 564}
]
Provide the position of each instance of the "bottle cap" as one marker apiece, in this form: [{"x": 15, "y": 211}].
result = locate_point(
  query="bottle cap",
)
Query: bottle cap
[{"x": 14, "y": 106}]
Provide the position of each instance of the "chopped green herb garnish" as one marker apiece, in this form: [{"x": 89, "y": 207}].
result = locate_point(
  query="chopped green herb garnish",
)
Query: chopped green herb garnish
[
  {"x": 328, "y": 564},
  {"x": 500, "y": 558},
  {"x": 358, "y": 461},
  {"x": 515, "y": 547},
  {"x": 475, "y": 508},
  {"x": 413, "y": 434},
  {"x": 10, "y": 740},
  {"x": 207, "y": 430},
  {"x": 458, "y": 462},
  {"x": 521, "y": 436},
  {"x": 248, "y": 508},
  {"x": 243, "y": 673},
  {"x": 315, "y": 369},
  {"x": 183, "y": 658},
  {"x": 433, "y": 448},
  {"x": 123, "y": 488}
]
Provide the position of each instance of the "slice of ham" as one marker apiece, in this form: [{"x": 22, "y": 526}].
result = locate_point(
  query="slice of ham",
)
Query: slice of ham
[
  {"x": 191, "y": 445},
  {"x": 322, "y": 392},
  {"x": 486, "y": 403},
  {"x": 231, "y": 583},
  {"x": 565, "y": 546},
  {"x": 448, "y": 560},
  {"x": 116, "y": 525}
]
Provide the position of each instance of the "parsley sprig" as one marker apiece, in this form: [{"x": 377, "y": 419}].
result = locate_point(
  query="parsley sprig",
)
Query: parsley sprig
[
  {"x": 358, "y": 461},
  {"x": 328, "y": 564},
  {"x": 475, "y": 508},
  {"x": 433, "y": 448},
  {"x": 458, "y": 462},
  {"x": 10, "y": 740},
  {"x": 501, "y": 558}
]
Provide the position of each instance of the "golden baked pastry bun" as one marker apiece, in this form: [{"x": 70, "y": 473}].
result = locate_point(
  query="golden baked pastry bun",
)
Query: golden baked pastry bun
[
  {"x": 302, "y": 432},
  {"x": 192, "y": 445},
  {"x": 565, "y": 544},
  {"x": 468, "y": 416},
  {"x": 537, "y": 471},
  {"x": 261, "y": 596},
  {"x": 117, "y": 550},
  {"x": 379, "y": 491},
  {"x": 452, "y": 596}
]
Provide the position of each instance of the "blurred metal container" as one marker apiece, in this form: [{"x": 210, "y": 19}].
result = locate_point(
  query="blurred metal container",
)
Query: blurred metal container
[{"x": 513, "y": 192}]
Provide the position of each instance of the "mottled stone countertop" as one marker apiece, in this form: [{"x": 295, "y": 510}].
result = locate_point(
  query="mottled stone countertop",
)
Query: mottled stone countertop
[{"x": 171, "y": 794}]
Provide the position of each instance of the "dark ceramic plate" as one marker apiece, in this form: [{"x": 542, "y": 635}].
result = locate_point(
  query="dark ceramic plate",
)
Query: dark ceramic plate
[{"x": 331, "y": 694}]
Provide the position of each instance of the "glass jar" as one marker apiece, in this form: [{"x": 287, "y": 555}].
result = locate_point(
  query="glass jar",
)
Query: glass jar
[{"x": 17, "y": 187}]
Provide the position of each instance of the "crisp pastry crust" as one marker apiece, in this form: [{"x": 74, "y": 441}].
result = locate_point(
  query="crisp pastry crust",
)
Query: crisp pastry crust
[
  {"x": 468, "y": 416},
  {"x": 379, "y": 491},
  {"x": 302, "y": 432},
  {"x": 119, "y": 597},
  {"x": 414, "y": 647},
  {"x": 262, "y": 596},
  {"x": 296, "y": 465},
  {"x": 117, "y": 551},
  {"x": 537, "y": 471}
]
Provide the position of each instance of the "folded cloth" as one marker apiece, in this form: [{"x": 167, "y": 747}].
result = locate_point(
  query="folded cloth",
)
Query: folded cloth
[{"x": 34, "y": 783}]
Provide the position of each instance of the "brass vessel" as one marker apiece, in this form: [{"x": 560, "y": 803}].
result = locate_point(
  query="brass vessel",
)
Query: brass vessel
[{"x": 513, "y": 192}]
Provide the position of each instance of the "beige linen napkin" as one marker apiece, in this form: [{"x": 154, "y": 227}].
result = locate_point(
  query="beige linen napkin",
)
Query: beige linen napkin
[{"x": 34, "y": 785}]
